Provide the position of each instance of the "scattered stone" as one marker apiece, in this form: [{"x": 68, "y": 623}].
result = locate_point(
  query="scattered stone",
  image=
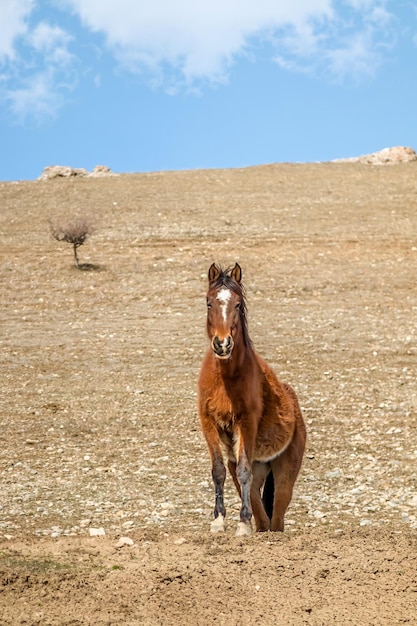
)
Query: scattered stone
[
  {"x": 96, "y": 532},
  {"x": 333, "y": 474},
  {"x": 128, "y": 524},
  {"x": 56, "y": 531},
  {"x": 125, "y": 541},
  {"x": 84, "y": 522}
]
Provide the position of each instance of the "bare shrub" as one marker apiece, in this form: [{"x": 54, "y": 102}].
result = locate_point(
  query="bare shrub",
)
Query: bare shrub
[{"x": 75, "y": 231}]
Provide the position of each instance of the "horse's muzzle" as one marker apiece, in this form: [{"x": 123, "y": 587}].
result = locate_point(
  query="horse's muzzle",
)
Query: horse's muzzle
[{"x": 222, "y": 348}]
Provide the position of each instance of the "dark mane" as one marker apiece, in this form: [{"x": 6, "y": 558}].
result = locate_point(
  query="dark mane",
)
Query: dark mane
[{"x": 224, "y": 279}]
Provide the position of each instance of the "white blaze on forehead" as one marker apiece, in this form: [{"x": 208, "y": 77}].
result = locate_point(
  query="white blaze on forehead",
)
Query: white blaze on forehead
[{"x": 223, "y": 297}]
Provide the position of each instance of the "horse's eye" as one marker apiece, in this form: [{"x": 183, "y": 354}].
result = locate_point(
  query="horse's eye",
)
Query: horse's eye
[
  {"x": 237, "y": 306},
  {"x": 208, "y": 305}
]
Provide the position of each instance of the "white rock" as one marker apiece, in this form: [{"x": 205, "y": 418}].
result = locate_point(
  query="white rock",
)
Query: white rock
[
  {"x": 386, "y": 156},
  {"x": 333, "y": 474},
  {"x": 102, "y": 170},
  {"x": 125, "y": 541},
  {"x": 128, "y": 524},
  {"x": 61, "y": 171},
  {"x": 180, "y": 541},
  {"x": 96, "y": 532}
]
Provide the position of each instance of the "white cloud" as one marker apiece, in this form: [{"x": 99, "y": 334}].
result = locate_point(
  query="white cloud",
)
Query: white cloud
[
  {"x": 185, "y": 41},
  {"x": 350, "y": 45},
  {"x": 353, "y": 56},
  {"x": 52, "y": 43},
  {"x": 196, "y": 39},
  {"x": 180, "y": 44},
  {"x": 37, "y": 96},
  {"x": 38, "y": 67},
  {"x": 13, "y": 24},
  {"x": 45, "y": 37}
]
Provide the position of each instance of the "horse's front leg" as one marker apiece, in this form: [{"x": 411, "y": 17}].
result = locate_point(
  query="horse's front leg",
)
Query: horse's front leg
[
  {"x": 244, "y": 476},
  {"x": 218, "y": 472}
]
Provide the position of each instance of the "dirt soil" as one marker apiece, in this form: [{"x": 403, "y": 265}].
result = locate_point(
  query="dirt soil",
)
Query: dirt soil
[{"x": 99, "y": 435}]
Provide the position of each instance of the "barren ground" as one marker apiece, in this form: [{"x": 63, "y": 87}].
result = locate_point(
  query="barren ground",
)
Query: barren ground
[{"x": 99, "y": 430}]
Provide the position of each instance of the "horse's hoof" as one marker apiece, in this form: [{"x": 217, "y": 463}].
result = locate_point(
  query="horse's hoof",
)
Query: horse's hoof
[
  {"x": 243, "y": 529},
  {"x": 217, "y": 525}
]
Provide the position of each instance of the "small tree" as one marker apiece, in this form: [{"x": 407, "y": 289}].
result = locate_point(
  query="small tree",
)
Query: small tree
[{"x": 75, "y": 232}]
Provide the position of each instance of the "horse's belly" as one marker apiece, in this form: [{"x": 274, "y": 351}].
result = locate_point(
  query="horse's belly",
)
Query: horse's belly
[{"x": 272, "y": 442}]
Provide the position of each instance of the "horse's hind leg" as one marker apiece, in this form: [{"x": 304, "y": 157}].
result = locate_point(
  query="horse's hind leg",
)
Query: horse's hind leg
[
  {"x": 285, "y": 470},
  {"x": 231, "y": 465},
  {"x": 260, "y": 472}
]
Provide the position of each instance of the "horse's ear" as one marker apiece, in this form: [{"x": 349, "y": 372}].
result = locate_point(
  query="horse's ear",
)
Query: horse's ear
[
  {"x": 213, "y": 273},
  {"x": 236, "y": 273}
]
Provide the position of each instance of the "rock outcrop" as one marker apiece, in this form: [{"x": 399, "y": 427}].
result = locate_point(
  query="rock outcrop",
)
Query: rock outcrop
[
  {"x": 65, "y": 171},
  {"x": 387, "y": 156},
  {"x": 101, "y": 170}
]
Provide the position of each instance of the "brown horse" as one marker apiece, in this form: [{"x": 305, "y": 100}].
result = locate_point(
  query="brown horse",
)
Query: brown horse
[{"x": 249, "y": 418}]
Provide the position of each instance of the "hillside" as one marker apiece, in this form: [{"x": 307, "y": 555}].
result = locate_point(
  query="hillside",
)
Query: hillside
[{"x": 98, "y": 419}]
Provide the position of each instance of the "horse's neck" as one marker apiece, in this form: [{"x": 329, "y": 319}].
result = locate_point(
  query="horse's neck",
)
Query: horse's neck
[
  {"x": 240, "y": 380},
  {"x": 239, "y": 364}
]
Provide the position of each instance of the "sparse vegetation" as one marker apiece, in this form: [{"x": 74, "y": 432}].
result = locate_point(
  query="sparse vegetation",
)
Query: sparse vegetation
[{"x": 75, "y": 232}]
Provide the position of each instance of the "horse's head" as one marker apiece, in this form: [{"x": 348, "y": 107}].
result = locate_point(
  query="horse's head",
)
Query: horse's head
[{"x": 226, "y": 317}]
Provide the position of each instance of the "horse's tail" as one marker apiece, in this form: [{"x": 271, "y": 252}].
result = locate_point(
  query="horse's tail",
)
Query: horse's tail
[{"x": 268, "y": 494}]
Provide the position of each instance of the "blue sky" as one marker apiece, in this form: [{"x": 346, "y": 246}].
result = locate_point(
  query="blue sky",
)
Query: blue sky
[{"x": 162, "y": 85}]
